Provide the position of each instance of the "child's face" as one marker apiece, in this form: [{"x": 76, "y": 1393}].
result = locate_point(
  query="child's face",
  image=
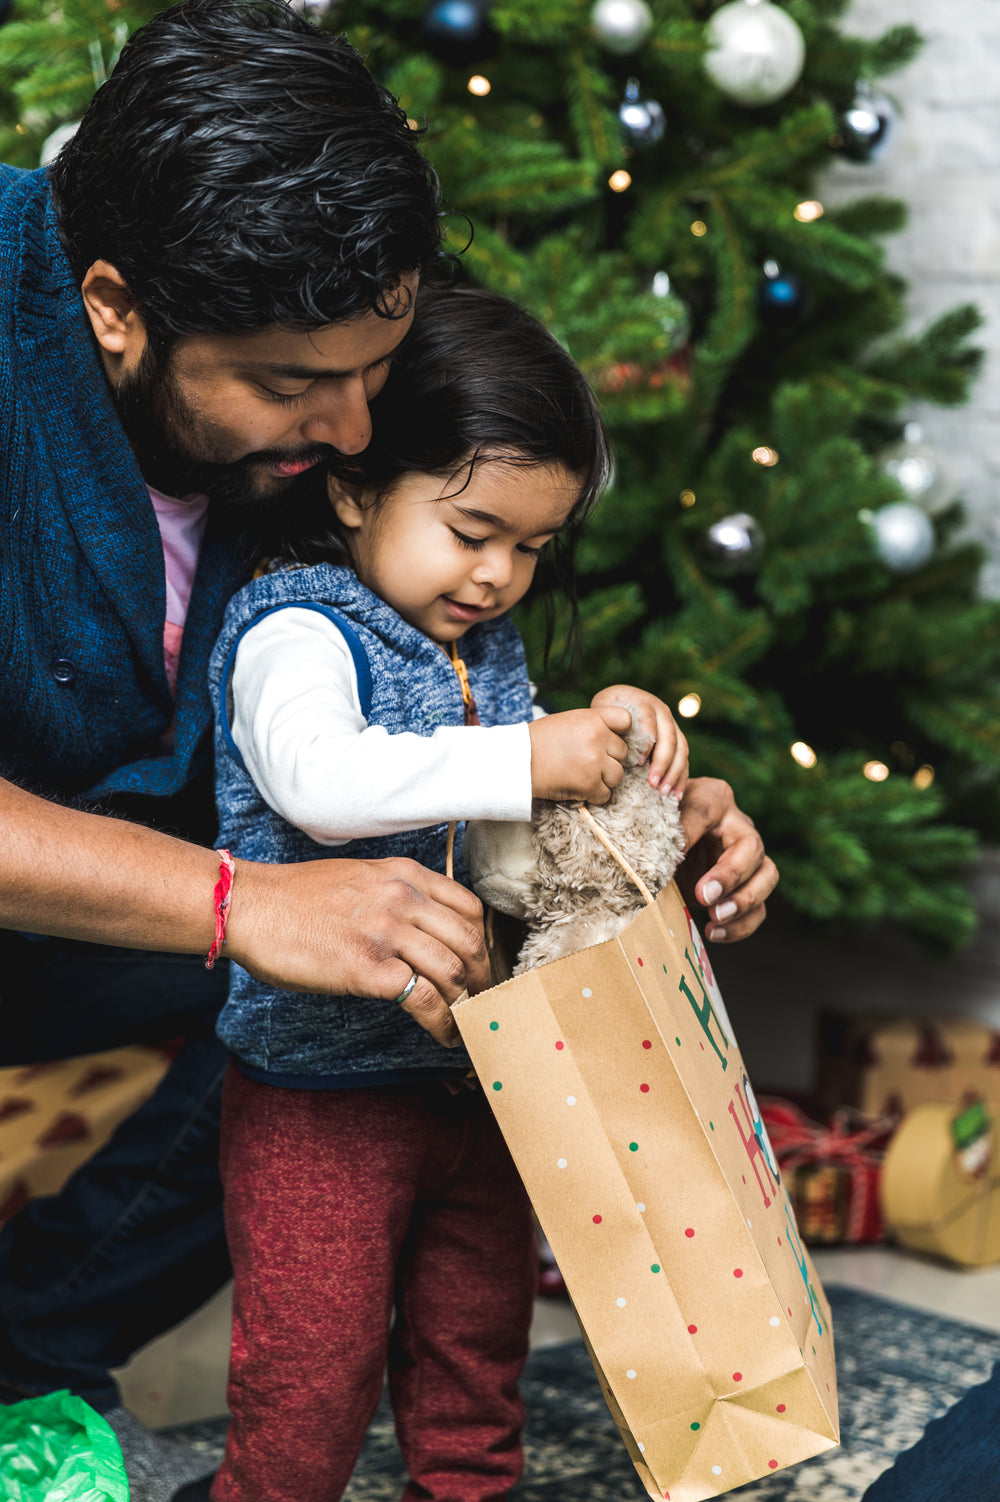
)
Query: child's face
[{"x": 444, "y": 556}]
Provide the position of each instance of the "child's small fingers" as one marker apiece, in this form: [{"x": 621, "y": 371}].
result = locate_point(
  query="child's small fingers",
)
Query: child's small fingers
[
  {"x": 669, "y": 765},
  {"x": 677, "y": 773},
  {"x": 660, "y": 763}
]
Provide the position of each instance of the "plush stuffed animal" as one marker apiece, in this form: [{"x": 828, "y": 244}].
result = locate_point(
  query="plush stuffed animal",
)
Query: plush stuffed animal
[{"x": 556, "y": 874}]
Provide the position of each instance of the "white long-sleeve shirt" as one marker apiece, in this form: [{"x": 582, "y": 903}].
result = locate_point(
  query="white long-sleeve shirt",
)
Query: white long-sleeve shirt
[{"x": 296, "y": 718}]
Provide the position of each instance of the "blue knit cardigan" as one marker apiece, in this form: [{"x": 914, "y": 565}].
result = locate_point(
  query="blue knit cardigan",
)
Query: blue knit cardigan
[{"x": 84, "y": 699}]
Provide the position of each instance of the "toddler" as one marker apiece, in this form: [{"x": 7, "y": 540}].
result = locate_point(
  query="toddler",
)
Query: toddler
[{"x": 370, "y": 689}]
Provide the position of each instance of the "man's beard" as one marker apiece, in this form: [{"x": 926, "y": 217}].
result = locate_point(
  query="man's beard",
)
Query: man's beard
[{"x": 171, "y": 442}]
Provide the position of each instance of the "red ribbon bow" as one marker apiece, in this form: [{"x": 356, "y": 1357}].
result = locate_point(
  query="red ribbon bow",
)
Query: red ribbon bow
[{"x": 849, "y": 1137}]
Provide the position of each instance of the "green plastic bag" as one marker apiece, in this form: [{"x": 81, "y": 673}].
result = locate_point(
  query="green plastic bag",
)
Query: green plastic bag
[{"x": 57, "y": 1449}]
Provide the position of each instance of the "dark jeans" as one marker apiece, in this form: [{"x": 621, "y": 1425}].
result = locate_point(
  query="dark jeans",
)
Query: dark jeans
[
  {"x": 957, "y": 1459},
  {"x": 135, "y": 1240}
]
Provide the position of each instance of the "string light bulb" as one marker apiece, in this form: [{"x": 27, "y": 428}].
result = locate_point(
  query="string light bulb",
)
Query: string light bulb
[
  {"x": 619, "y": 181},
  {"x": 479, "y": 85},
  {"x": 766, "y": 457},
  {"x": 809, "y": 210},
  {"x": 875, "y": 771},
  {"x": 922, "y": 777},
  {"x": 699, "y": 228},
  {"x": 803, "y": 754},
  {"x": 687, "y": 499},
  {"x": 689, "y": 706}
]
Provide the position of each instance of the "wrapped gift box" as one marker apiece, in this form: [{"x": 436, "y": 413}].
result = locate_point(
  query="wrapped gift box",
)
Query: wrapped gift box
[
  {"x": 53, "y": 1116},
  {"x": 832, "y": 1172},
  {"x": 886, "y": 1066}
]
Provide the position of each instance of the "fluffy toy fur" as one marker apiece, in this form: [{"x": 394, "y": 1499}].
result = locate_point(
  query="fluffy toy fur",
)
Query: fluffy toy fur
[{"x": 556, "y": 875}]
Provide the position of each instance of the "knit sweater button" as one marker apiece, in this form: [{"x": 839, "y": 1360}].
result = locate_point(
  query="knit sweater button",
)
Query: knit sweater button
[{"x": 63, "y": 670}]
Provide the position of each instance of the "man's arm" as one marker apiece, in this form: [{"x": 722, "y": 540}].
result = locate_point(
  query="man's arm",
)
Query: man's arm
[
  {"x": 726, "y": 869},
  {"x": 358, "y": 927}
]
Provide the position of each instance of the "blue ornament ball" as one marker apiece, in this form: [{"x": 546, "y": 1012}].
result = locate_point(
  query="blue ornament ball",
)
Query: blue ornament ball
[
  {"x": 458, "y": 31},
  {"x": 781, "y": 295}
]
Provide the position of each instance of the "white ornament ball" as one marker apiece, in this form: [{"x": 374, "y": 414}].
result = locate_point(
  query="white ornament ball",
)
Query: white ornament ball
[
  {"x": 53, "y": 144},
  {"x": 757, "y": 51},
  {"x": 621, "y": 25},
  {"x": 904, "y": 536},
  {"x": 917, "y": 468}
]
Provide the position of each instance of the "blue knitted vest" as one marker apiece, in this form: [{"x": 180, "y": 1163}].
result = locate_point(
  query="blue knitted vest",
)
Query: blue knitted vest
[
  {"x": 84, "y": 699},
  {"x": 409, "y": 684}
]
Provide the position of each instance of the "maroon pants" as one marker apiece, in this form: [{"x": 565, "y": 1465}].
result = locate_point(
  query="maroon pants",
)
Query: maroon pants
[{"x": 373, "y": 1229}]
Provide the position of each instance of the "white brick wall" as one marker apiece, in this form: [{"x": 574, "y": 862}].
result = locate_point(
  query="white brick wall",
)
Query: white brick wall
[{"x": 944, "y": 161}]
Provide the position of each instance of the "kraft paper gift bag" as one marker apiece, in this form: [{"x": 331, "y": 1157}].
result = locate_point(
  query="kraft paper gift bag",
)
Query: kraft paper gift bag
[{"x": 617, "y": 1082}]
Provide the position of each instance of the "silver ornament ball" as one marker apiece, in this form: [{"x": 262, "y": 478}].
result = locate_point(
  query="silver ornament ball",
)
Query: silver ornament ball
[
  {"x": 643, "y": 120},
  {"x": 621, "y": 25},
  {"x": 756, "y": 51},
  {"x": 732, "y": 546},
  {"x": 904, "y": 536},
  {"x": 865, "y": 127}
]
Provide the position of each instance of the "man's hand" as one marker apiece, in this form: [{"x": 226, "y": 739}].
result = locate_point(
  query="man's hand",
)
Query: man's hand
[
  {"x": 361, "y": 928},
  {"x": 338, "y": 926},
  {"x": 579, "y": 755},
  {"x": 726, "y": 868}
]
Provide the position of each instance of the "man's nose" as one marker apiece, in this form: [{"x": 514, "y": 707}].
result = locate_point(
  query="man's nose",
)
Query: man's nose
[{"x": 341, "y": 419}]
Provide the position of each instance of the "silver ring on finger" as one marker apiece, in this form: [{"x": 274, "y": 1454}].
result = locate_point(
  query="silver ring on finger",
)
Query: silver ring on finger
[{"x": 407, "y": 988}]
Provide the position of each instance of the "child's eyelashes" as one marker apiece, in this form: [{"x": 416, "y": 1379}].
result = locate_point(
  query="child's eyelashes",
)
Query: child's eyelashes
[{"x": 474, "y": 544}]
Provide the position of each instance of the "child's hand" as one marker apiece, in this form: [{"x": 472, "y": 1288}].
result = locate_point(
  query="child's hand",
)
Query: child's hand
[
  {"x": 668, "y": 759},
  {"x": 579, "y": 754}
]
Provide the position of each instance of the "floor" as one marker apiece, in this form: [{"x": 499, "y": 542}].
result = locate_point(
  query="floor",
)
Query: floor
[{"x": 182, "y": 1376}]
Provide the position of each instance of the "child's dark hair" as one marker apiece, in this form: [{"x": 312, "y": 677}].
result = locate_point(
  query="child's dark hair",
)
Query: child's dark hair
[
  {"x": 241, "y": 168},
  {"x": 478, "y": 378}
]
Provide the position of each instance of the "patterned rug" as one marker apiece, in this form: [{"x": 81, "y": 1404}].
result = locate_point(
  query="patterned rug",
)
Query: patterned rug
[{"x": 898, "y": 1368}]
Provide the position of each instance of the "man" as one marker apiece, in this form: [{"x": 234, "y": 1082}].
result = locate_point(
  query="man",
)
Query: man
[{"x": 198, "y": 302}]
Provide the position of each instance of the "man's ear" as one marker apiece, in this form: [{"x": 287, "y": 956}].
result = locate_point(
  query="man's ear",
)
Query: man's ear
[
  {"x": 117, "y": 325},
  {"x": 348, "y": 501}
]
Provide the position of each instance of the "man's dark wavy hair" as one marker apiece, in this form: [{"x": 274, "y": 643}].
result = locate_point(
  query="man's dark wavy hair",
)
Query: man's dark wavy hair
[{"x": 241, "y": 168}]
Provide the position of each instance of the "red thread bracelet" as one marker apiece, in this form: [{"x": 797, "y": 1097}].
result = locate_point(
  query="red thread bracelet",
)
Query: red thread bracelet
[{"x": 223, "y": 897}]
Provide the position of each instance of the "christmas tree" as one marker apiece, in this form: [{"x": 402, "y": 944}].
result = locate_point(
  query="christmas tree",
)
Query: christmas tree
[{"x": 644, "y": 178}]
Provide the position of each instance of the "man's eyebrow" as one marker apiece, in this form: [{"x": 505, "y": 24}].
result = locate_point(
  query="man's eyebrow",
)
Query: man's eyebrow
[{"x": 311, "y": 372}]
